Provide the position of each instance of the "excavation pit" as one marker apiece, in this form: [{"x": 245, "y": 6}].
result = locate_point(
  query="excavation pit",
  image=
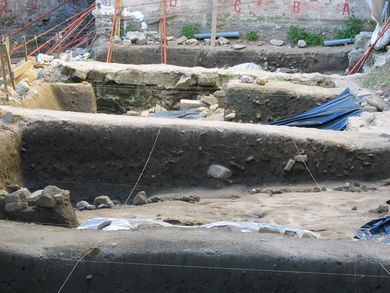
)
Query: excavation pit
[
  {"x": 99, "y": 154},
  {"x": 95, "y": 154}
]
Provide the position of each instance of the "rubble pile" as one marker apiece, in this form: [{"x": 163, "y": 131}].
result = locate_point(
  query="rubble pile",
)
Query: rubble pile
[{"x": 50, "y": 206}]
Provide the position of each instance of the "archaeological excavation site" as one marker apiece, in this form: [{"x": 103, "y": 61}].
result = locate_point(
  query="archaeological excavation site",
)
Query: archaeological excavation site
[{"x": 194, "y": 146}]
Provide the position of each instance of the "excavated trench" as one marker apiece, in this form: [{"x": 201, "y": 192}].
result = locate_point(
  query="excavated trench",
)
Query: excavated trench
[
  {"x": 104, "y": 153},
  {"x": 91, "y": 154},
  {"x": 95, "y": 154}
]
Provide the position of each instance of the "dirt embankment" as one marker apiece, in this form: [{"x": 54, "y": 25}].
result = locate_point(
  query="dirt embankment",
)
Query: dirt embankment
[{"x": 10, "y": 163}]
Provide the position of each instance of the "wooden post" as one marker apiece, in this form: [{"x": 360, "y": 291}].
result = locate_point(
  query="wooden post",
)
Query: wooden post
[
  {"x": 25, "y": 49},
  {"x": 214, "y": 23},
  {"x": 3, "y": 69},
  {"x": 163, "y": 31},
  {"x": 119, "y": 18},
  {"x": 8, "y": 59}
]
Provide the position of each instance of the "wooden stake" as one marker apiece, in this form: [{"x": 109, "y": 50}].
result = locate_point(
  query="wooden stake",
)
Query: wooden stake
[
  {"x": 4, "y": 73},
  {"x": 8, "y": 59},
  {"x": 25, "y": 49},
  {"x": 214, "y": 23},
  {"x": 119, "y": 18},
  {"x": 163, "y": 31},
  {"x": 11, "y": 51}
]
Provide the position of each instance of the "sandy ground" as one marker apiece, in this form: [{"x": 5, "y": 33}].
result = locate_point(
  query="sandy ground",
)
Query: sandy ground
[{"x": 332, "y": 214}]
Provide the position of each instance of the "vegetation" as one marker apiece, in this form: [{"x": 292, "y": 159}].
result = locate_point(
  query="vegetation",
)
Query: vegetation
[
  {"x": 131, "y": 27},
  {"x": 252, "y": 36},
  {"x": 295, "y": 34},
  {"x": 378, "y": 78},
  {"x": 92, "y": 53},
  {"x": 353, "y": 27},
  {"x": 189, "y": 30}
]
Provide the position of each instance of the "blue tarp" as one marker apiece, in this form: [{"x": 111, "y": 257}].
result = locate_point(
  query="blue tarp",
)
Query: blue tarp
[
  {"x": 375, "y": 230},
  {"x": 332, "y": 115}
]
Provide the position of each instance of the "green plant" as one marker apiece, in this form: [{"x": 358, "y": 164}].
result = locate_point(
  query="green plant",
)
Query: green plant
[
  {"x": 295, "y": 34},
  {"x": 189, "y": 30},
  {"x": 131, "y": 27},
  {"x": 92, "y": 52},
  {"x": 252, "y": 36},
  {"x": 353, "y": 27}
]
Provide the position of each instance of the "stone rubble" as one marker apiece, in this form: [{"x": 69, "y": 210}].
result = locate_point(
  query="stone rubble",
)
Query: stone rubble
[
  {"x": 140, "y": 198},
  {"x": 277, "y": 43},
  {"x": 190, "y": 104},
  {"x": 51, "y": 205},
  {"x": 301, "y": 44},
  {"x": 103, "y": 200},
  {"x": 219, "y": 172}
]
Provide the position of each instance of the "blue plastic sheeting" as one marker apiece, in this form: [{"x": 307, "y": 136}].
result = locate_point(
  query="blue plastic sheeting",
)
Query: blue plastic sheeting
[
  {"x": 332, "y": 115},
  {"x": 375, "y": 230}
]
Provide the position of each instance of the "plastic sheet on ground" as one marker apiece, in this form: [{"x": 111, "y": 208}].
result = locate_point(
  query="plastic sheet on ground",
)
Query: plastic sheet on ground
[
  {"x": 378, "y": 230},
  {"x": 332, "y": 115},
  {"x": 129, "y": 224},
  {"x": 247, "y": 66},
  {"x": 191, "y": 114}
]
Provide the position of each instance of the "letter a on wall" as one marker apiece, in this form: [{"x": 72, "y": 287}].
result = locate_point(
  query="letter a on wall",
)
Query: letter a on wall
[{"x": 346, "y": 10}]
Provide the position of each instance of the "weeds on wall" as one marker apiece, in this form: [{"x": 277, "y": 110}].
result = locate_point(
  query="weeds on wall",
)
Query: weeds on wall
[
  {"x": 189, "y": 30},
  {"x": 353, "y": 27},
  {"x": 295, "y": 34},
  {"x": 252, "y": 36}
]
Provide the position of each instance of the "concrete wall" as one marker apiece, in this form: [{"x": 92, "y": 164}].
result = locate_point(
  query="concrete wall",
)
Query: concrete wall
[{"x": 269, "y": 17}]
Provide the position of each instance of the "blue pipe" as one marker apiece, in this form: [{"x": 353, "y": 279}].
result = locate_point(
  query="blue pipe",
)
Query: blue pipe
[
  {"x": 225, "y": 35},
  {"x": 339, "y": 42}
]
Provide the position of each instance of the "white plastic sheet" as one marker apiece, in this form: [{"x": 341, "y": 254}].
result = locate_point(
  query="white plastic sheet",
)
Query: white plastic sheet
[
  {"x": 130, "y": 224},
  {"x": 377, "y": 7},
  {"x": 247, "y": 66}
]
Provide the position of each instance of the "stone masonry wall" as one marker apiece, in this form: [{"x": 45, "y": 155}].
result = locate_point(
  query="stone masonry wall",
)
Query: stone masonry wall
[
  {"x": 14, "y": 14},
  {"x": 271, "y": 18}
]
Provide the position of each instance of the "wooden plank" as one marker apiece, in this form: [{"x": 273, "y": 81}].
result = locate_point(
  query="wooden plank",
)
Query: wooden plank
[
  {"x": 214, "y": 23},
  {"x": 8, "y": 62},
  {"x": 21, "y": 69},
  {"x": 4, "y": 72}
]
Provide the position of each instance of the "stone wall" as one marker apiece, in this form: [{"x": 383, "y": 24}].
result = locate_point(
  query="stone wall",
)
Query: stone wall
[
  {"x": 270, "y": 18},
  {"x": 14, "y": 14}
]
